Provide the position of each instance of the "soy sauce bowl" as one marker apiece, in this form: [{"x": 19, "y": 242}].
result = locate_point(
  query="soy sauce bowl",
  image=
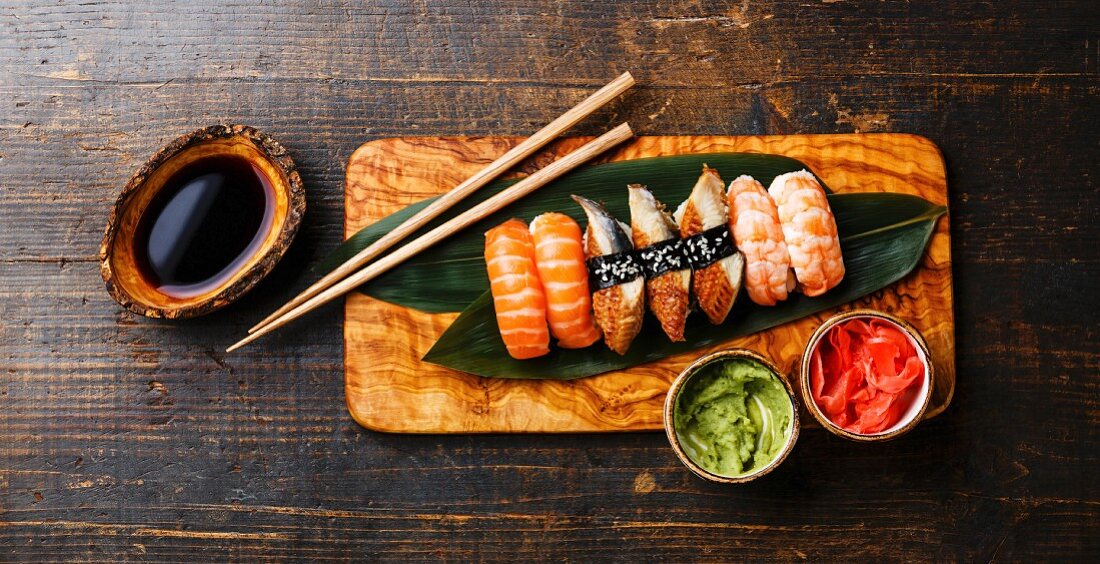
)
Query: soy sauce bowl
[
  {"x": 688, "y": 377},
  {"x": 916, "y": 410},
  {"x": 121, "y": 256}
]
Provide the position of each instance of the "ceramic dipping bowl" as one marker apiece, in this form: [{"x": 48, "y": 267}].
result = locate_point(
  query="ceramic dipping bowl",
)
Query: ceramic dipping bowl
[
  {"x": 677, "y": 441},
  {"x": 284, "y": 202},
  {"x": 916, "y": 410}
]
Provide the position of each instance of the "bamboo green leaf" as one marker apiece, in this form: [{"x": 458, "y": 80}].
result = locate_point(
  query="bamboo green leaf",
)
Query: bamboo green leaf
[{"x": 883, "y": 237}]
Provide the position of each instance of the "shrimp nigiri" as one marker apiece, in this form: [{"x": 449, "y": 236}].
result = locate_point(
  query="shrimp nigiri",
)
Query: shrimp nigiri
[
  {"x": 559, "y": 257},
  {"x": 618, "y": 288},
  {"x": 703, "y": 220},
  {"x": 810, "y": 231},
  {"x": 517, "y": 292},
  {"x": 754, "y": 221}
]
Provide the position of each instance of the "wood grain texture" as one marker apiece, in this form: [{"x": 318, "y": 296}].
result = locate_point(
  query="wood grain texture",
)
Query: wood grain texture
[
  {"x": 389, "y": 389},
  {"x": 126, "y": 439},
  {"x": 118, "y": 255}
]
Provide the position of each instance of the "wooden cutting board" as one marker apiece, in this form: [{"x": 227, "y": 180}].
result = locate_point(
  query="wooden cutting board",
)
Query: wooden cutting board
[{"x": 389, "y": 389}]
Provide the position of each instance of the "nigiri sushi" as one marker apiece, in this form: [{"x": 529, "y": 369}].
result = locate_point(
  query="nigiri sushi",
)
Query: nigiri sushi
[
  {"x": 615, "y": 277},
  {"x": 664, "y": 262},
  {"x": 517, "y": 292},
  {"x": 754, "y": 221},
  {"x": 718, "y": 267},
  {"x": 810, "y": 231},
  {"x": 559, "y": 257}
]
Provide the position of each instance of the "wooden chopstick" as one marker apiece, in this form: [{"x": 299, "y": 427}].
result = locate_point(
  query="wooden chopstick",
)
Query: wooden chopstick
[
  {"x": 458, "y": 193},
  {"x": 454, "y": 225}
]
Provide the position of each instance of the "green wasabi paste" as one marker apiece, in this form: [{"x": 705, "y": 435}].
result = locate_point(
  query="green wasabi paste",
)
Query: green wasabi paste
[{"x": 733, "y": 416}]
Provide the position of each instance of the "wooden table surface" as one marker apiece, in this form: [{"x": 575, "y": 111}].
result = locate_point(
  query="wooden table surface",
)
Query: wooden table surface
[{"x": 127, "y": 438}]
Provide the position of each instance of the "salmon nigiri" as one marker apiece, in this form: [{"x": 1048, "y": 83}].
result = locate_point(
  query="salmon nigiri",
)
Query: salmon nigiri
[
  {"x": 559, "y": 257},
  {"x": 517, "y": 292}
]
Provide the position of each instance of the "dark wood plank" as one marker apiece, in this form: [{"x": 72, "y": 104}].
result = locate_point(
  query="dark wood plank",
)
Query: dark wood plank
[{"x": 125, "y": 438}]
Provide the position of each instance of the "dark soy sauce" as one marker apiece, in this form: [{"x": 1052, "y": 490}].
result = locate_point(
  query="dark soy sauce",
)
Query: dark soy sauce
[{"x": 206, "y": 221}]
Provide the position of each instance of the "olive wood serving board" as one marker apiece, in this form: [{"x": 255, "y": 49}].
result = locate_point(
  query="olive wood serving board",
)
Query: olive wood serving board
[{"x": 388, "y": 388}]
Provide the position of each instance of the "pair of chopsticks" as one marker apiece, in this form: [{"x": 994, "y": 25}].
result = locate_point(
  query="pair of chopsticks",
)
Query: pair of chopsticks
[{"x": 348, "y": 276}]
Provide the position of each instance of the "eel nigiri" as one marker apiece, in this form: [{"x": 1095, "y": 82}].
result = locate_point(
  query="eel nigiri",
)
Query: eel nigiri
[
  {"x": 559, "y": 257},
  {"x": 667, "y": 272},
  {"x": 810, "y": 231},
  {"x": 615, "y": 277},
  {"x": 718, "y": 267},
  {"x": 754, "y": 221},
  {"x": 517, "y": 292}
]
